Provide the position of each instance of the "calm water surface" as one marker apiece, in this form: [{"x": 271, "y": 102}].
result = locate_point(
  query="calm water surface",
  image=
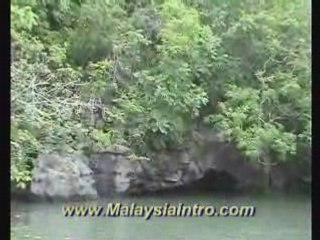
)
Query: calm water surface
[{"x": 277, "y": 217}]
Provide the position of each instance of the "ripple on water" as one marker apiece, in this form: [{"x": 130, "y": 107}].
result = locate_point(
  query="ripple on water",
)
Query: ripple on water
[{"x": 277, "y": 218}]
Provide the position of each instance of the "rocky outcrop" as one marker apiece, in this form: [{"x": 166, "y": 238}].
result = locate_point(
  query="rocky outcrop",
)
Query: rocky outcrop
[
  {"x": 63, "y": 176},
  {"x": 209, "y": 163},
  {"x": 117, "y": 172},
  {"x": 291, "y": 175}
]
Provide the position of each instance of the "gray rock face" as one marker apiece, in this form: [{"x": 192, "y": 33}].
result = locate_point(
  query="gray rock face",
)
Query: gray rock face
[
  {"x": 210, "y": 161},
  {"x": 290, "y": 175},
  {"x": 116, "y": 172},
  {"x": 66, "y": 177}
]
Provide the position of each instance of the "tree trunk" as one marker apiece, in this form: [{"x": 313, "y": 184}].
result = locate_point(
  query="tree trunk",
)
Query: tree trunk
[{"x": 267, "y": 167}]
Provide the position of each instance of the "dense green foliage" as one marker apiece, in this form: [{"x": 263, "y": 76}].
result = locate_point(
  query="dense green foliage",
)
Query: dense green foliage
[{"x": 87, "y": 74}]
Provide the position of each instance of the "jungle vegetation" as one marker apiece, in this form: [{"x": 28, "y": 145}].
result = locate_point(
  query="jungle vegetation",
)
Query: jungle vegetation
[{"x": 145, "y": 74}]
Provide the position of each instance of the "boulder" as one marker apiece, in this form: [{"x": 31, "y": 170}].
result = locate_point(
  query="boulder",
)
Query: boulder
[{"x": 63, "y": 176}]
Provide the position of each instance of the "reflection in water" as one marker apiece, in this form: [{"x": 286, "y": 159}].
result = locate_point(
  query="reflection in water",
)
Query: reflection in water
[{"x": 278, "y": 218}]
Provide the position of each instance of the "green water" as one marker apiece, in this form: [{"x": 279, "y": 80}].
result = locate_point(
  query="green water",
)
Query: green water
[{"x": 277, "y": 217}]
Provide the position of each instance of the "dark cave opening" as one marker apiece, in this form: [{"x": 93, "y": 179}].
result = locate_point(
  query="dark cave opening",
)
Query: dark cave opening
[
  {"x": 215, "y": 181},
  {"x": 212, "y": 182}
]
